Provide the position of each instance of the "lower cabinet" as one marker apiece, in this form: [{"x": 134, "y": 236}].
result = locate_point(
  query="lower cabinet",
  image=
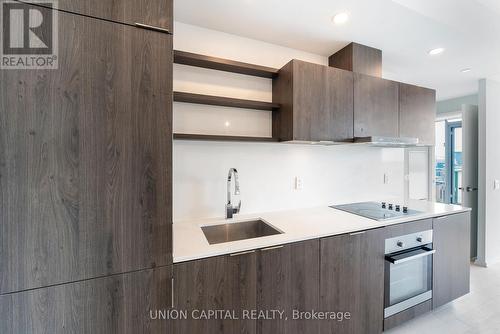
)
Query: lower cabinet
[
  {"x": 273, "y": 281},
  {"x": 352, "y": 280},
  {"x": 125, "y": 303},
  {"x": 451, "y": 263}
]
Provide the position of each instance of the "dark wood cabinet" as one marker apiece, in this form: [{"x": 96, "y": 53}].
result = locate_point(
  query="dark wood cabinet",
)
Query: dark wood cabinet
[
  {"x": 157, "y": 13},
  {"x": 216, "y": 283},
  {"x": 417, "y": 113},
  {"x": 125, "y": 303},
  {"x": 316, "y": 103},
  {"x": 376, "y": 107},
  {"x": 451, "y": 263},
  {"x": 352, "y": 280},
  {"x": 288, "y": 279},
  {"x": 85, "y": 157}
]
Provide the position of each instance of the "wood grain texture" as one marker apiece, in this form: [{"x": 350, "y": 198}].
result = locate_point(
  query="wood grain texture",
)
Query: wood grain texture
[
  {"x": 451, "y": 262},
  {"x": 358, "y": 58},
  {"x": 288, "y": 280},
  {"x": 113, "y": 304},
  {"x": 158, "y": 13},
  {"x": 221, "y": 64},
  {"x": 195, "y": 136},
  {"x": 417, "y": 113},
  {"x": 217, "y": 283},
  {"x": 224, "y": 101},
  {"x": 352, "y": 280},
  {"x": 376, "y": 107},
  {"x": 316, "y": 103},
  {"x": 407, "y": 315},
  {"x": 85, "y": 167}
]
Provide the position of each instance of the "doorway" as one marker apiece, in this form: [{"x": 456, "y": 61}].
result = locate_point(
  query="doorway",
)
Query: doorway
[{"x": 449, "y": 161}]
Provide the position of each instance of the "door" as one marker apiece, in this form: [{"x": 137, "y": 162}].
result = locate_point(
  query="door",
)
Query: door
[
  {"x": 469, "y": 187},
  {"x": 376, "y": 107},
  {"x": 125, "y": 303},
  {"x": 85, "y": 190},
  {"x": 451, "y": 262},
  {"x": 288, "y": 279},
  {"x": 454, "y": 161},
  {"x": 216, "y": 283},
  {"x": 157, "y": 13},
  {"x": 352, "y": 280},
  {"x": 417, "y": 113}
]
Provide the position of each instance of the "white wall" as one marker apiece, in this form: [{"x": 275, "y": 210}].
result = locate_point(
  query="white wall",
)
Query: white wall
[
  {"x": 489, "y": 171},
  {"x": 267, "y": 170}
]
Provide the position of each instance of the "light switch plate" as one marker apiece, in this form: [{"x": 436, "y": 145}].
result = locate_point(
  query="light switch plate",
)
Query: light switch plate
[
  {"x": 496, "y": 185},
  {"x": 298, "y": 183}
]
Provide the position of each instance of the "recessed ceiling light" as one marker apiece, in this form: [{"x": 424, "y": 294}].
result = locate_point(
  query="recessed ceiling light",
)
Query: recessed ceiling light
[
  {"x": 465, "y": 70},
  {"x": 341, "y": 18},
  {"x": 436, "y": 51}
]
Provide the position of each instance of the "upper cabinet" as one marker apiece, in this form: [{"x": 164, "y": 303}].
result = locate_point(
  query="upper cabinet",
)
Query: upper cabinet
[
  {"x": 417, "y": 113},
  {"x": 375, "y": 107},
  {"x": 316, "y": 103},
  {"x": 155, "y": 13}
]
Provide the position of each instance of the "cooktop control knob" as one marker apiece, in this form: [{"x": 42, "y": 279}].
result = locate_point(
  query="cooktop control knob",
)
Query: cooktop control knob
[
  {"x": 384, "y": 205},
  {"x": 390, "y": 206},
  {"x": 400, "y": 244},
  {"x": 405, "y": 209},
  {"x": 398, "y": 208}
]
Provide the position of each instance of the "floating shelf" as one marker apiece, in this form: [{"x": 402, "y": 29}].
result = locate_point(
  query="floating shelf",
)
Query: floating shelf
[
  {"x": 188, "y": 136},
  {"x": 221, "y": 64},
  {"x": 223, "y": 101}
]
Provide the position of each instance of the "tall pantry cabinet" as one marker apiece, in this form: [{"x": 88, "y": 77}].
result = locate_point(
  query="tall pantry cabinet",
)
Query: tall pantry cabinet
[{"x": 85, "y": 175}]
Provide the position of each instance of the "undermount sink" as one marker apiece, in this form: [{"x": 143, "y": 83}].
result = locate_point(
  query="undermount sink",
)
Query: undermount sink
[{"x": 234, "y": 231}]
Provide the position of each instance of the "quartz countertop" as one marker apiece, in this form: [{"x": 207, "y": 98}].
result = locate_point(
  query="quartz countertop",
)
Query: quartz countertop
[{"x": 189, "y": 242}]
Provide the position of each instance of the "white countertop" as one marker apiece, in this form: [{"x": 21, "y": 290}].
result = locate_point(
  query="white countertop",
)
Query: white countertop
[{"x": 189, "y": 242}]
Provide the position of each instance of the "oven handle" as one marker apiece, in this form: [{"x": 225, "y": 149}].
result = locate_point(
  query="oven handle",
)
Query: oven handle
[{"x": 427, "y": 252}]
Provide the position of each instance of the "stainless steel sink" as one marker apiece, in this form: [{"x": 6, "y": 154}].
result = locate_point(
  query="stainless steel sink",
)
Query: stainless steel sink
[{"x": 250, "y": 229}]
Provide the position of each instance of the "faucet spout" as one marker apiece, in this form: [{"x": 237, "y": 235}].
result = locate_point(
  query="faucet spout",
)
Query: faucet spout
[{"x": 230, "y": 209}]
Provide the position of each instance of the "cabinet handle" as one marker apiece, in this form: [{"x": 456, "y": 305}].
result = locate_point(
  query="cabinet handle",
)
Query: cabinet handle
[
  {"x": 148, "y": 27},
  {"x": 242, "y": 253},
  {"x": 271, "y": 248},
  {"x": 173, "y": 285},
  {"x": 357, "y": 233}
]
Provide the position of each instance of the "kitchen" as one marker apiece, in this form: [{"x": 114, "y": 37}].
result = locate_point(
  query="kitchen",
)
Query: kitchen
[{"x": 207, "y": 178}]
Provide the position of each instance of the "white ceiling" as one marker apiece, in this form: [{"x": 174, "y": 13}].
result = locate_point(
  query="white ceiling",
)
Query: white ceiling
[{"x": 404, "y": 29}]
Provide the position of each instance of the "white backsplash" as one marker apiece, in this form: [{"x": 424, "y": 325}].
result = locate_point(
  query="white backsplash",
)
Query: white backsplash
[{"x": 330, "y": 174}]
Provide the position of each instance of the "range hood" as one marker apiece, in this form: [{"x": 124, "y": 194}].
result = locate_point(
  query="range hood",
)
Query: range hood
[{"x": 383, "y": 141}]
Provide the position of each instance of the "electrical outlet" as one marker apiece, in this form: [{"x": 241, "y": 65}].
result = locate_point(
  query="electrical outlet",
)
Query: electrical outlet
[
  {"x": 496, "y": 185},
  {"x": 386, "y": 178},
  {"x": 298, "y": 183}
]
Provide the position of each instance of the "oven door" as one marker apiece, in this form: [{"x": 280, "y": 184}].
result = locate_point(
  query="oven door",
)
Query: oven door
[{"x": 408, "y": 279}]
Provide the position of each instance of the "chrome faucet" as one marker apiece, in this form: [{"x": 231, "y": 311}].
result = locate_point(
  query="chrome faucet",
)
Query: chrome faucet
[{"x": 230, "y": 209}]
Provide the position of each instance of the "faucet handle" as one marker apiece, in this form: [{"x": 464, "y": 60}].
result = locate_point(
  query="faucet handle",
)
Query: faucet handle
[{"x": 238, "y": 208}]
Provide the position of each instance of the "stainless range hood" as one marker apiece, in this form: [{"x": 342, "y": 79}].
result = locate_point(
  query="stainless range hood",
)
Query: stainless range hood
[{"x": 382, "y": 141}]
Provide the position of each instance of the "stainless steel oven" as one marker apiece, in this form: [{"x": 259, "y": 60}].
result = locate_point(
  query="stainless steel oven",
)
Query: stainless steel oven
[{"x": 408, "y": 271}]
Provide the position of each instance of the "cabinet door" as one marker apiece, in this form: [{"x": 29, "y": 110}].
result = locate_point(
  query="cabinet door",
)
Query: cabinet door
[
  {"x": 376, "y": 107},
  {"x": 288, "y": 279},
  {"x": 316, "y": 103},
  {"x": 85, "y": 157},
  {"x": 125, "y": 303},
  {"x": 323, "y": 102},
  {"x": 352, "y": 280},
  {"x": 451, "y": 262},
  {"x": 417, "y": 113},
  {"x": 157, "y": 13},
  {"x": 217, "y": 283}
]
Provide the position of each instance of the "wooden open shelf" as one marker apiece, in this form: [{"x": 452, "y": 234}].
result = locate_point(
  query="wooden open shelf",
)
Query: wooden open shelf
[
  {"x": 221, "y": 64},
  {"x": 188, "y": 136},
  {"x": 223, "y": 101}
]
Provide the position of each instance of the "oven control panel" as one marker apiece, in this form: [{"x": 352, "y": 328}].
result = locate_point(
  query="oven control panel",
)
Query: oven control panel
[{"x": 408, "y": 241}]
